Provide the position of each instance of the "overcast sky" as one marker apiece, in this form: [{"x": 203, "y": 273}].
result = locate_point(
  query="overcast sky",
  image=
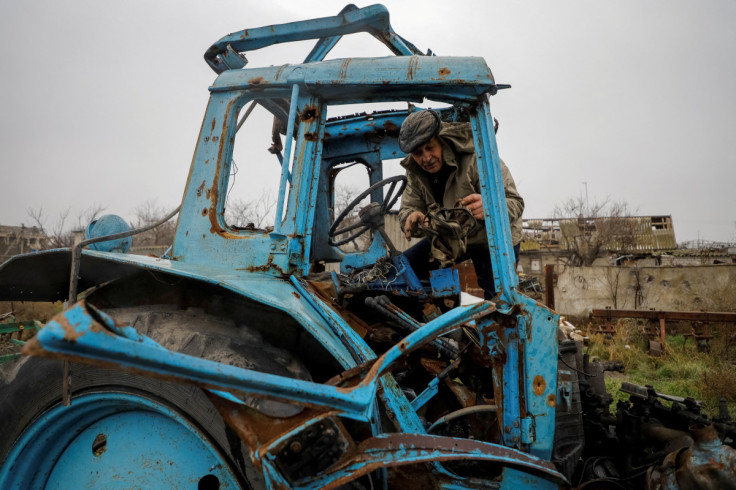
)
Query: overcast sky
[{"x": 102, "y": 101}]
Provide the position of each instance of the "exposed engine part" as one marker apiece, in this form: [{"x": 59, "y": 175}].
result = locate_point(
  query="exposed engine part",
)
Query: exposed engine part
[
  {"x": 652, "y": 430},
  {"x": 405, "y": 322},
  {"x": 705, "y": 464}
]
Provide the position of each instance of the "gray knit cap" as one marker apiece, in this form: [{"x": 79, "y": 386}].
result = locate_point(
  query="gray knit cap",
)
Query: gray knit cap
[{"x": 417, "y": 129}]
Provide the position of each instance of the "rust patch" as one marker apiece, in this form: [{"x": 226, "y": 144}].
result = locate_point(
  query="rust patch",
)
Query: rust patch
[
  {"x": 552, "y": 400},
  {"x": 204, "y": 212},
  {"x": 327, "y": 292},
  {"x": 344, "y": 68},
  {"x": 391, "y": 128},
  {"x": 310, "y": 136},
  {"x": 351, "y": 377},
  {"x": 69, "y": 333},
  {"x": 309, "y": 113},
  {"x": 256, "y": 429},
  {"x": 412, "y": 67},
  {"x": 214, "y": 121},
  {"x": 443, "y": 72},
  {"x": 539, "y": 385},
  {"x": 465, "y": 396},
  {"x": 200, "y": 188},
  {"x": 296, "y": 295}
]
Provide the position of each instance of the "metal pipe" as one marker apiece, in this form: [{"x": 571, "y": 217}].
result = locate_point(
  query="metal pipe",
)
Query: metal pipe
[
  {"x": 287, "y": 158},
  {"x": 461, "y": 413},
  {"x": 245, "y": 116}
]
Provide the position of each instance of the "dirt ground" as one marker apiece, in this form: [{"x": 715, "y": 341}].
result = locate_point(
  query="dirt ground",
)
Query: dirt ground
[
  {"x": 27, "y": 310},
  {"x": 24, "y": 311}
]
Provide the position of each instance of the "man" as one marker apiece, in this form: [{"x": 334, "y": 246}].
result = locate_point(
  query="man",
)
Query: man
[{"x": 441, "y": 168}]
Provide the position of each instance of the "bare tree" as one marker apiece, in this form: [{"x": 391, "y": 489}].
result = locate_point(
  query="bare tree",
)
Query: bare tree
[
  {"x": 344, "y": 194},
  {"x": 589, "y": 229},
  {"x": 251, "y": 214},
  {"x": 59, "y": 235},
  {"x": 146, "y": 214}
]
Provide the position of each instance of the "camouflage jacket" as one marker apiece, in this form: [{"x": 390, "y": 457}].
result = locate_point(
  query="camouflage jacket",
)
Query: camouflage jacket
[{"x": 458, "y": 152}]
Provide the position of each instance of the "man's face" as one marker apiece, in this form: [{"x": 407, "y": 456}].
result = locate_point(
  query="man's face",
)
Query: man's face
[{"x": 429, "y": 156}]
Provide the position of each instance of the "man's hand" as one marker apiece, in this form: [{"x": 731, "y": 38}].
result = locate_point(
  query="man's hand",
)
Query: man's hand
[
  {"x": 474, "y": 203},
  {"x": 411, "y": 224}
]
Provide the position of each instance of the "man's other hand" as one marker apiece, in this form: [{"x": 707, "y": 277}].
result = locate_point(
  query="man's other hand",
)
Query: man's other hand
[
  {"x": 474, "y": 203},
  {"x": 411, "y": 224}
]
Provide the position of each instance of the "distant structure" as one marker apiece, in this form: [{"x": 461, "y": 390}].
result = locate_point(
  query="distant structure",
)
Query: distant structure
[
  {"x": 642, "y": 233},
  {"x": 16, "y": 240},
  {"x": 649, "y": 241}
]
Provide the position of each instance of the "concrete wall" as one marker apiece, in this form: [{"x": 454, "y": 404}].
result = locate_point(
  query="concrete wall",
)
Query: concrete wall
[{"x": 702, "y": 288}]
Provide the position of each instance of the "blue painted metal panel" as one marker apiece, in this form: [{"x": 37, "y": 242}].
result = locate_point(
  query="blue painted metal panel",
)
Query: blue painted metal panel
[
  {"x": 498, "y": 229},
  {"x": 527, "y": 380},
  {"x": 539, "y": 335},
  {"x": 367, "y": 79}
]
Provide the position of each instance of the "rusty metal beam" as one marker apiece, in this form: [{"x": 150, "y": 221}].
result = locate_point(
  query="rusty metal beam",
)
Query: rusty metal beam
[
  {"x": 698, "y": 316},
  {"x": 549, "y": 285}
]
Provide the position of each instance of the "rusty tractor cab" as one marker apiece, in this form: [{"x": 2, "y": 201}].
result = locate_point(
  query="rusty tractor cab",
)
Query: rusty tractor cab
[{"x": 302, "y": 351}]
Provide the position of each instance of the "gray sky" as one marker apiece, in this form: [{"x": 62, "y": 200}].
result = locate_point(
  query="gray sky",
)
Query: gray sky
[{"x": 102, "y": 101}]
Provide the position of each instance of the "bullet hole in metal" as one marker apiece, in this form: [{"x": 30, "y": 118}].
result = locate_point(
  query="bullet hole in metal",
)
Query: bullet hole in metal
[
  {"x": 208, "y": 482},
  {"x": 99, "y": 445}
]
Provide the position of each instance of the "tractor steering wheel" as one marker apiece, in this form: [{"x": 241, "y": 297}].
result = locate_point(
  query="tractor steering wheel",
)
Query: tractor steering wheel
[{"x": 367, "y": 220}]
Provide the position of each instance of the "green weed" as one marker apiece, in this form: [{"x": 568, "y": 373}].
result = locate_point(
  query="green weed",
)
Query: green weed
[{"x": 680, "y": 371}]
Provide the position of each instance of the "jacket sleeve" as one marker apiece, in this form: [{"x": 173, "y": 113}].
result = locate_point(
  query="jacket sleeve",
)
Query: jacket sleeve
[
  {"x": 411, "y": 200},
  {"x": 514, "y": 201}
]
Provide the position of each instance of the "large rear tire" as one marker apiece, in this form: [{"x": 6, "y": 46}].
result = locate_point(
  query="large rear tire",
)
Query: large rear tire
[{"x": 121, "y": 431}]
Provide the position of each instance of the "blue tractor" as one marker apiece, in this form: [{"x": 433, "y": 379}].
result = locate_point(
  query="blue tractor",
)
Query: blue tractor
[{"x": 275, "y": 356}]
